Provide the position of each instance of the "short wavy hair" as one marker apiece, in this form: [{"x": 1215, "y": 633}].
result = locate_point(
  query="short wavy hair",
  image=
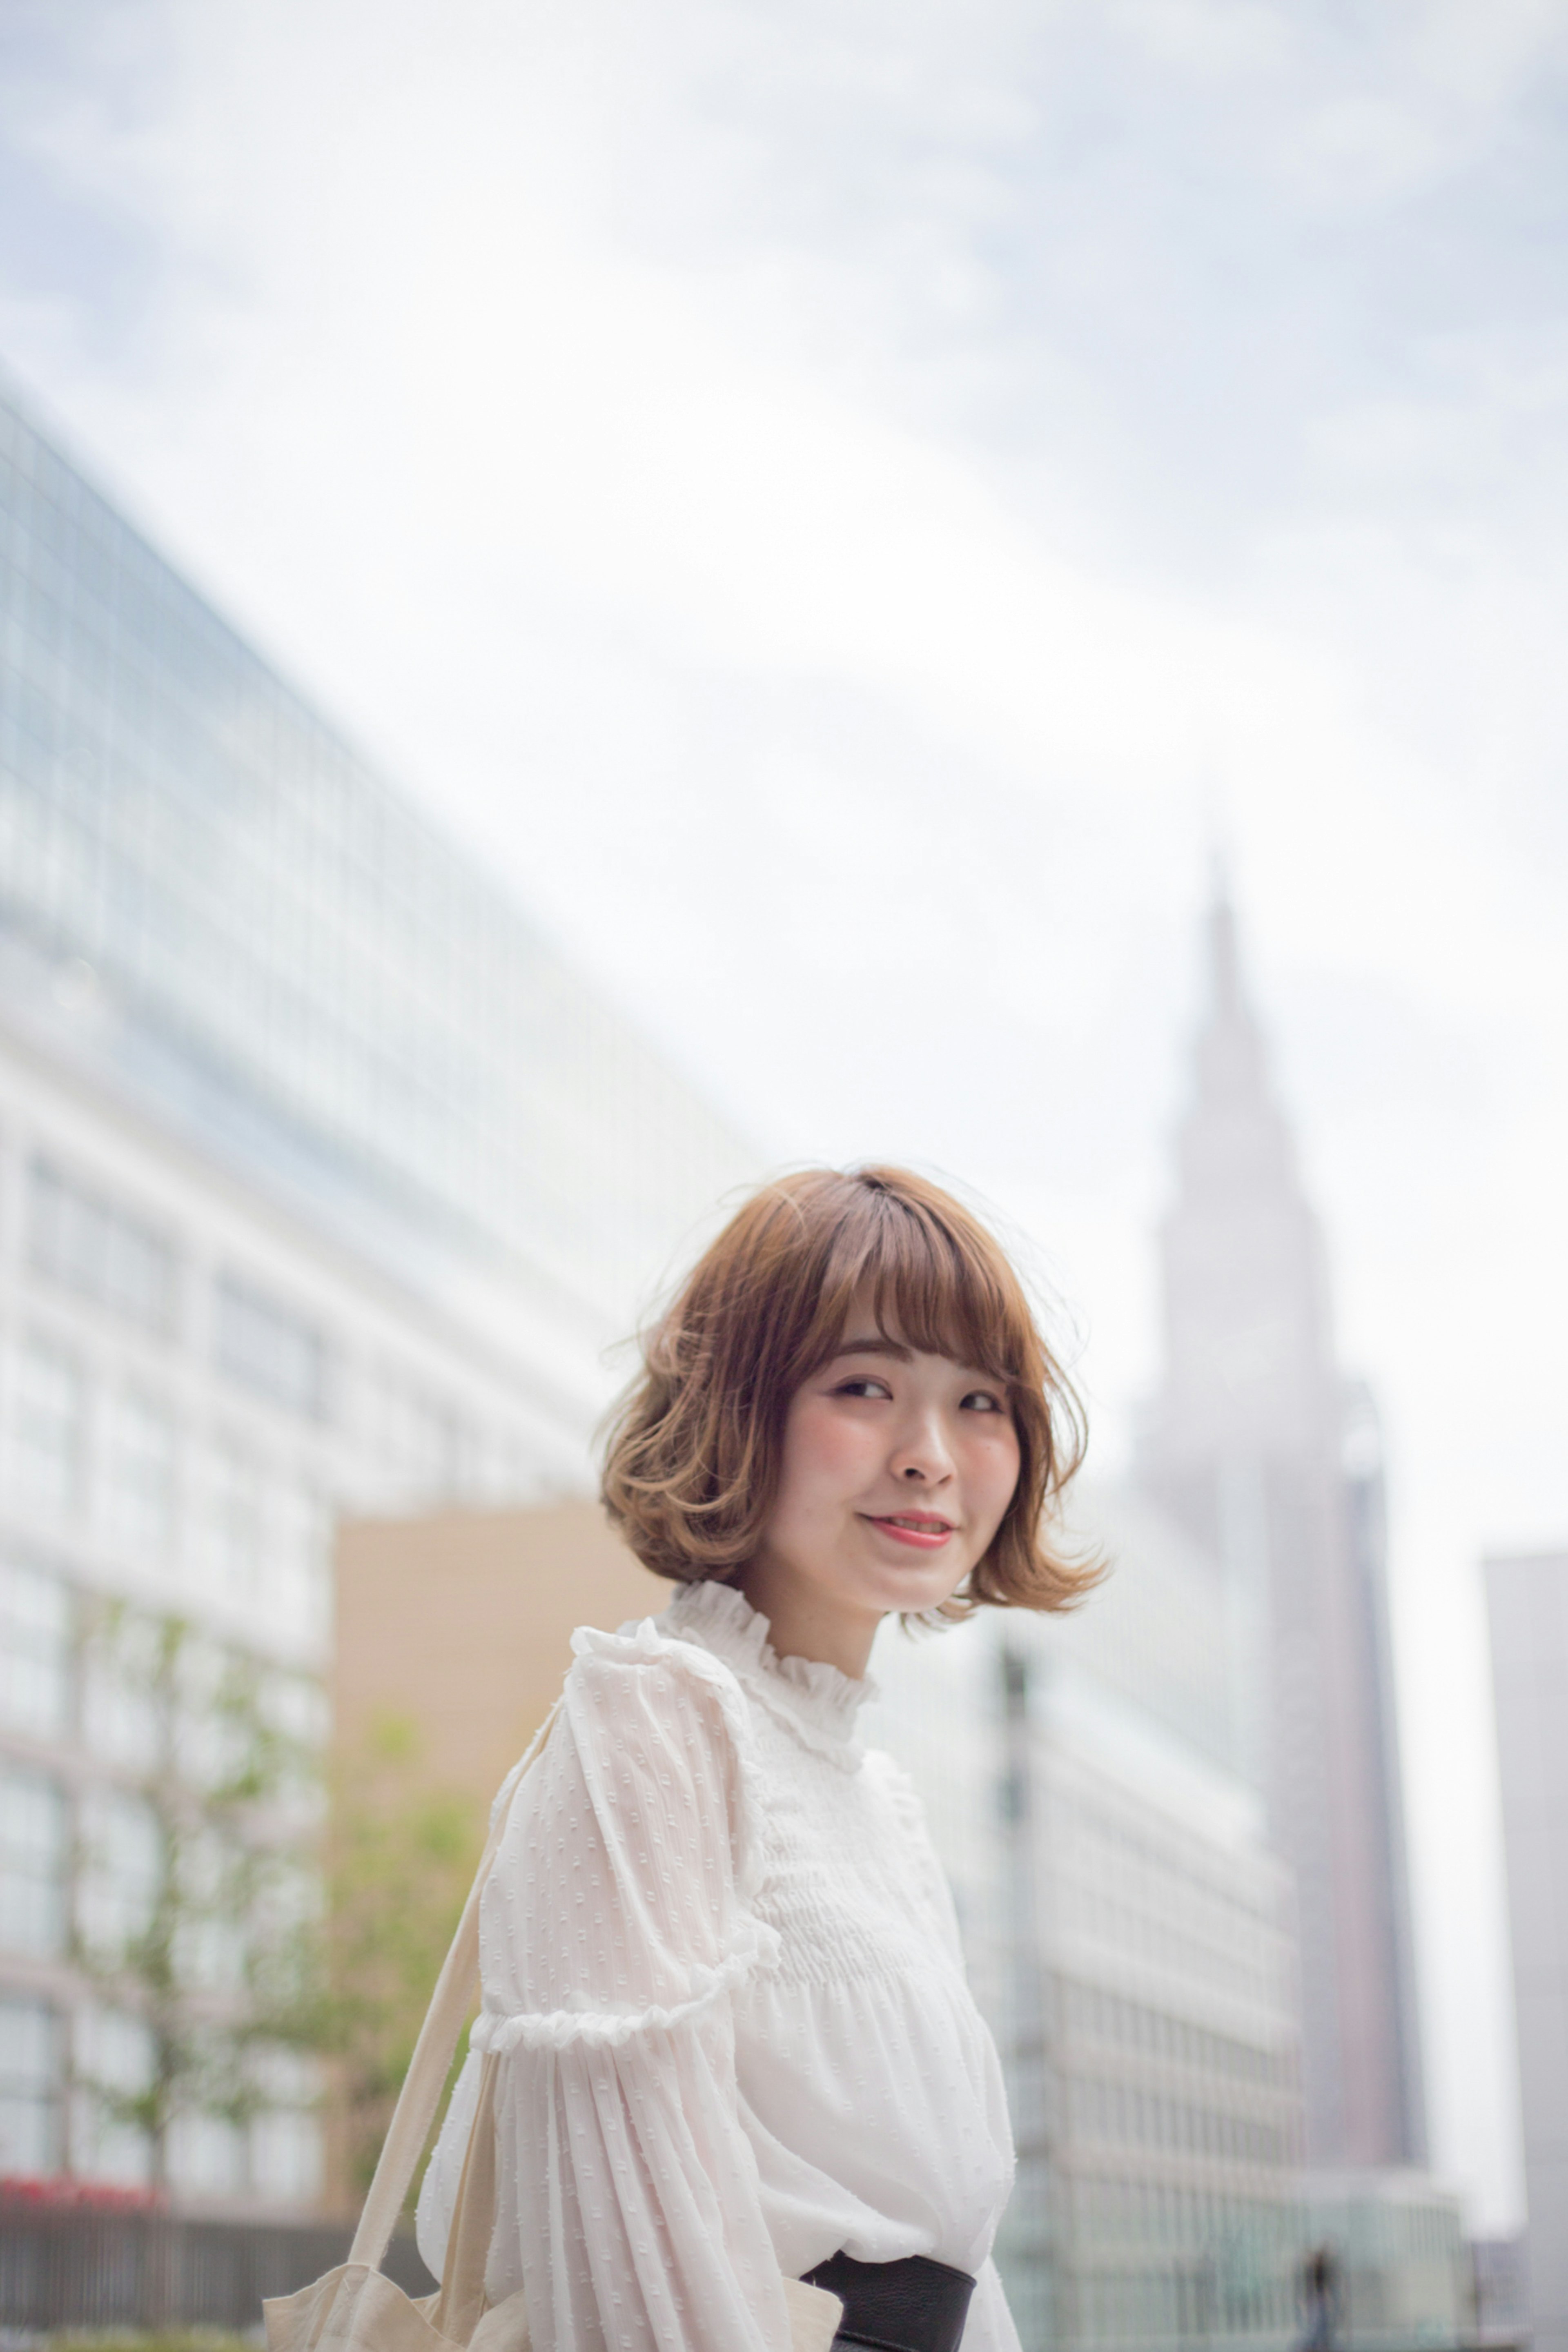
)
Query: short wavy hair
[{"x": 693, "y": 1450}]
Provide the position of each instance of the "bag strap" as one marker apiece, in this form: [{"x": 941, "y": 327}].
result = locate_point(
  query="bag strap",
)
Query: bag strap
[{"x": 433, "y": 2052}]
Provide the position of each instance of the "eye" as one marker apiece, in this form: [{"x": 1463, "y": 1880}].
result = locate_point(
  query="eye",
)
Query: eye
[
  {"x": 982, "y": 1401},
  {"x": 863, "y": 1384}
]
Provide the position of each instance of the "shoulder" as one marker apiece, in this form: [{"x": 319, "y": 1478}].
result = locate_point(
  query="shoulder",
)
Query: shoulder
[
  {"x": 613, "y": 1681},
  {"x": 642, "y": 1668},
  {"x": 657, "y": 1728}
]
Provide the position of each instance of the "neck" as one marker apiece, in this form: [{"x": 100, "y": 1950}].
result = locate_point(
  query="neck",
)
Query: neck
[{"x": 805, "y": 1623}]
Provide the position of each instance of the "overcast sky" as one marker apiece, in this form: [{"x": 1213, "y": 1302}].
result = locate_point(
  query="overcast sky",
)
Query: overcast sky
[{"x": 847, "y": 504}]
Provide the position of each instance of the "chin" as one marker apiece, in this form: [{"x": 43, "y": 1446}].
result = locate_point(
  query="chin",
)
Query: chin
[
  {"x": 910, "y": 1595},
  {"x": 883, "y": 1586}
]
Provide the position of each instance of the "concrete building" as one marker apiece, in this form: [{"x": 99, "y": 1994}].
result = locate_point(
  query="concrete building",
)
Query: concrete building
[
  {"x": 1527, "y": 1603},
  {"x": 1271, "y": 1461},
  {"x": 323, "y": 1184},
  {"x": 1130, "y": 1936},
  {"x": 460, "y": 1624}
]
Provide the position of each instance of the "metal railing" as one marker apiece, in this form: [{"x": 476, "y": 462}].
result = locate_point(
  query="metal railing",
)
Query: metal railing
[{"x": 70, "y": 2268}]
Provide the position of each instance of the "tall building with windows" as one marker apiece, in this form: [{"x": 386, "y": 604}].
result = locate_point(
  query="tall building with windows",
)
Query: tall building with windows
[
  {"x": 324, "y": 1181},
  {"x": 1272, "y": 1461},
  {"x": 1131, "y": 1939},
  {"x": 1527, "y": 1607}
]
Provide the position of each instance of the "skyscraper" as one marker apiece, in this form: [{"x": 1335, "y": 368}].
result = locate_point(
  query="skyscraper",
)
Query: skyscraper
[{"x": 1269, "y": 1457}]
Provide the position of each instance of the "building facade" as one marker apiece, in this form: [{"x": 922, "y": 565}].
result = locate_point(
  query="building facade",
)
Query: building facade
[
  {"x": 1527, "y": 1606},
  {"x": 1130, "y": 1936},
  {"x": 1272, "y": 1461},
  {"x": 1402, "y": 2272},
  {"x": 324, "y": 1183}
]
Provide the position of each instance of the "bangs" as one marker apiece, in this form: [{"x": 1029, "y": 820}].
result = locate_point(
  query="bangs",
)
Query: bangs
[{"x": 939, "y": 1289}]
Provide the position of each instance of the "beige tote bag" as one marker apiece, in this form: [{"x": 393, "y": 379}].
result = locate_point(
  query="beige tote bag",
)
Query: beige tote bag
[{"x": 355, "y": 2308}]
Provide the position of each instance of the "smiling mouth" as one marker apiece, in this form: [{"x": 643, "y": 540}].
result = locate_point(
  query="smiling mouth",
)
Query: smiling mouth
[{"x": 923, "y": 1529}]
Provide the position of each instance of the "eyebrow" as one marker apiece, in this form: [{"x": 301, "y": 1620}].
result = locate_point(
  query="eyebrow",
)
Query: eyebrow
[{"x": 875, "y": 1345}]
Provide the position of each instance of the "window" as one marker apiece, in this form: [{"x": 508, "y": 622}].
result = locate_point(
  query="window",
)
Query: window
[
  {"x": 267, "y": 1348},
  {"x": 298, "y": 1594},
  {"x": 89, "y": 1245},
  {"x": 30, "y": 2073},
  {"x": 122, "y": 1713},
  {"x": 422, "y": 1441},
  {"x": 286, "y": 2160},
  {"x": 50, "y": 1427},
  {"x": 139, "y": 1478},
  {"x": 211, "y": 1951},
  {"x": 35, "y": 1650},
  {"x": 121, "y": 1871},
  {"x": 207, "y": 2155},
  {"x": 234, "y": 1520},
  {"x": 32, "y": 1850},
  {"x": 295, "y": 1707},
  {"x": 114, "y": 2054}
]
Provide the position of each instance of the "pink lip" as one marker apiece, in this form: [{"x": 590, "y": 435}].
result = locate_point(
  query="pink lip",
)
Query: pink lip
[{"x": 927, "y": 1534}]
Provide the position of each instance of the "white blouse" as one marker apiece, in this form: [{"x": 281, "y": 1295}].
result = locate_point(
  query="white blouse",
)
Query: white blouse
[{"x": 720, "y": 1963}]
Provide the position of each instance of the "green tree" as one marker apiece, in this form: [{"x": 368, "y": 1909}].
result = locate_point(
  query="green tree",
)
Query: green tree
[
  {"x": 194, "y": 1905},
  {"x": 403, "y": 1853},
  {"x": 237, "y": 1900}
]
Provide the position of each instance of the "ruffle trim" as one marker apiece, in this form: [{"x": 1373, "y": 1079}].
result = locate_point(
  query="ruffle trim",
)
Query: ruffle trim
[
  {"x": 816, "y": 1702},
  {"x": 571, "y": 2029}
]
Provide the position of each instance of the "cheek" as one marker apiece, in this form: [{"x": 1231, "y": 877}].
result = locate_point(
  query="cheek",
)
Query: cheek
[
  {"x": 993, "y": 1472},
  {"x": 826, "y": 1455}
]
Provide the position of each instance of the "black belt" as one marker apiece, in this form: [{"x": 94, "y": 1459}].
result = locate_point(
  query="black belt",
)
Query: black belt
[{"x": 915, "y": 2305}]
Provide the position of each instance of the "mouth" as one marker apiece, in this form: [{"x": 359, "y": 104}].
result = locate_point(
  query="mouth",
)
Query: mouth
[{"x": 920, "y": 1530}]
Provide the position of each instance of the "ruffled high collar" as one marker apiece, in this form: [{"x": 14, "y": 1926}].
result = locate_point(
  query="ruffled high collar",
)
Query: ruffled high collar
[{"x": 814, "y": 1699}]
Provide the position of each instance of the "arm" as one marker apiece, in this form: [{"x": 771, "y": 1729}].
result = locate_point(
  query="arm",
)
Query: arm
[{"x": 614, "y": 1928}]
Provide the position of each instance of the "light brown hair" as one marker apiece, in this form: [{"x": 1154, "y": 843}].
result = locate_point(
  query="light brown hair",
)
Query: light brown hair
[{"x": 693, "y": 1450}]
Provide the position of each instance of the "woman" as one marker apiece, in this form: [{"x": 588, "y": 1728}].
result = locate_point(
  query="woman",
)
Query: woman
[{"x": 718, "y": 1954}]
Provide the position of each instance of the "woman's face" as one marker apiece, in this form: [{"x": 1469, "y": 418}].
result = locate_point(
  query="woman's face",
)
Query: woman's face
[{"x": 898, "y": 1468}]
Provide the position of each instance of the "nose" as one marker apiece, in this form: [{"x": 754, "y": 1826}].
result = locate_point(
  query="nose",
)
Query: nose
[{"x": 923, "y": 1459}]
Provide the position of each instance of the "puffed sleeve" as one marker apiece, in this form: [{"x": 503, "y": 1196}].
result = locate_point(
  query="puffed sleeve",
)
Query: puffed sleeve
[{"x": 614, "y": 1928}]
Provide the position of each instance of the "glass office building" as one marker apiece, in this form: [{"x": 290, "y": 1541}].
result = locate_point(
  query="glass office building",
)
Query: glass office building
[
  {"x": 324, "y": 1181},
  {"x": 296, "y": 963}
]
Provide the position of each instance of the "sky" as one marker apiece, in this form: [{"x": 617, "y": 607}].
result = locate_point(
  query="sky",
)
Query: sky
[{"x": 849, "y": 509}]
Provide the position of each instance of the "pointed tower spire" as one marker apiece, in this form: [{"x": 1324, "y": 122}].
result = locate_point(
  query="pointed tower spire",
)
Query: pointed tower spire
[
  {"x": 1224, "y": 980},
  {"x": 1247, "y": 1325},
  {"x": 1246, "y": 1450}
]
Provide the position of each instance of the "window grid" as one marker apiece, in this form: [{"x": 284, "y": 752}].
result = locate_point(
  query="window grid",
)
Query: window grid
[
  {"x": 50, "y": 1427},
  {"x": 36, "y": 1650},
  {"x": 31, "y": 2081},
  {"x": 100, "y": 1249},
  {"x": 34, "y": 1852},
  {"x": 268, "y": 1348}
]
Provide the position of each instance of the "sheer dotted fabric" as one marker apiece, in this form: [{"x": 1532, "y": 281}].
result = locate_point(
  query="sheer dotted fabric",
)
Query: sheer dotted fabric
[{"x": 721, "y": 1973}]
